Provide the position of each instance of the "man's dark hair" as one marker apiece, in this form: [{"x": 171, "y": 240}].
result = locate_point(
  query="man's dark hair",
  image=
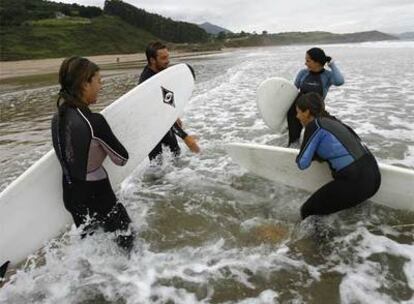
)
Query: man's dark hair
[{"x": 152, "y": 48}]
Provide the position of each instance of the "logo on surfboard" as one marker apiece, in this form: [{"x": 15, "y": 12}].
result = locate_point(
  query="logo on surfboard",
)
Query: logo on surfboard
[{"x": 168, "y": 97}]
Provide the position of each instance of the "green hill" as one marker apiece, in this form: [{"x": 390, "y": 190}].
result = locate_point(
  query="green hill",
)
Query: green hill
[
  {"x": 164, "y": 28},
  {"x": 264, "y": 39},
  {"x": 17, "y": 12},
  {"x": 35, "y": 29},
  {"x": 48, "y": 38}
]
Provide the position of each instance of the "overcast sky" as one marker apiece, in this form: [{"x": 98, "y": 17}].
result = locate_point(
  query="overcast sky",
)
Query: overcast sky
[{"x": 338, "y": 16}]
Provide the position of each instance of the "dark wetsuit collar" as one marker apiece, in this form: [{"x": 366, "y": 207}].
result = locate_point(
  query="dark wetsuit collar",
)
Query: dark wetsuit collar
[
  {"x": 85, "y": 109},
  {"x": 316, "y": 73}
]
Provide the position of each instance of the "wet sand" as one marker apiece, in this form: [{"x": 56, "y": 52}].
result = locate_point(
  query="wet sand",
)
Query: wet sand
[{"x": 23, "y": 68}]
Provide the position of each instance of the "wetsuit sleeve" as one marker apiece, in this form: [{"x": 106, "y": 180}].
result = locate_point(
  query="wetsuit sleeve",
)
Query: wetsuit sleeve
[
  {"x": 336, "y": 77},
  {"x": 308, "y": 150},
  {"x": 103, "y": 134},
  {"x": 179, "y": 131},
  {"x": 299, "y": 78}
]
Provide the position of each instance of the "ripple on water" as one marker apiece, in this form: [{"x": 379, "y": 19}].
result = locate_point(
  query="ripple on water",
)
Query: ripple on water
[{"x": 210, "y": 232}]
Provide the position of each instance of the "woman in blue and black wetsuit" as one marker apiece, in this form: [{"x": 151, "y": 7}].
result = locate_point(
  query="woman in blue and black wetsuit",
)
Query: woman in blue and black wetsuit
[
  {"x": 315, "y": 78},
  {"x": 82, "y": 140},
  {"x": 354, "y": 168}
]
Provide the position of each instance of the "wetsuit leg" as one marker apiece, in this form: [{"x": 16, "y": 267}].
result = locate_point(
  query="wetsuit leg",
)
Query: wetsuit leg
[
  {"x": 169, "y": 140},
  {"x": 294, "y": 125},
  {"x": 3, "y": 270},
  {"x": 332, "y": 197},
  {"x": 156, "y": 151},
  {"x": 352, "y": 185},
  {"x": 96, "y": 199},
  {"x": 75, "y": 197},
  {"x": 110, "y": 214},
  {"x": 118, "y": 220}
]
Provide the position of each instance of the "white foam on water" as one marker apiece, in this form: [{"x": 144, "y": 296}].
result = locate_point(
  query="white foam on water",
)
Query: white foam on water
[
  {"x": 364, "y": 278},
  {"x": 266, "y": 297},
  {"x": 390, "y": 44},
  {"x": 195, "y": 217},
  {"x": 80, "y": 270}
]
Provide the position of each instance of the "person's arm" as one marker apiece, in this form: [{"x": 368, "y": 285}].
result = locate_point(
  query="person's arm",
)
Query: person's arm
[
  {"x": 308, "y": 150},
  {"x": 299, "y": 78},
  {"x": 103, "y": 134},
  {"x": 336, "y": 76},
  {"x": 178, "y": 130},
  {"x": 189, "y": 140}
]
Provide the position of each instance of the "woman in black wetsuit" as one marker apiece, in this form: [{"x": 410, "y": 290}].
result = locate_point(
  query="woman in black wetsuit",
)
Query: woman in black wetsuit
[
  {"x": 314, "y": 78},
  {"x": 354, "y": 168},
  {"x": 82, "y": 140}
]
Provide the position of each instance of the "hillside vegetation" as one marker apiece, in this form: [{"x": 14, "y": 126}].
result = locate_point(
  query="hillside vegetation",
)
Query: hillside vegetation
[
  {"x": 164, "y": 28},
  {"x": 265, "y": 39},
  {"x": 52, "y": 38},
  {"x": 34, "y": 29}
]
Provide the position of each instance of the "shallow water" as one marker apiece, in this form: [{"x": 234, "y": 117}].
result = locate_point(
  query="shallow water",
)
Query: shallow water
[{"x": 210, "y": 232}]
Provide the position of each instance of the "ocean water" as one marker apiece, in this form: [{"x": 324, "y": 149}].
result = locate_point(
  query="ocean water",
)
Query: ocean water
[{"x": 210, "y": 232}]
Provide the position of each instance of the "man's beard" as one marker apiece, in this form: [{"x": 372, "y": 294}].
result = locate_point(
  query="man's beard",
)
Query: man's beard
[{"x": 161, "y": 67}]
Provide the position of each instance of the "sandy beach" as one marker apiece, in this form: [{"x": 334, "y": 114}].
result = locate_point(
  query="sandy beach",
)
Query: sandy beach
[{"x": 23, "y": 68}]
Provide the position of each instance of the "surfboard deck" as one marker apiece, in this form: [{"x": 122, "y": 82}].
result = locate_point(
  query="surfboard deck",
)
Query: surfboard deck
[
  {"x": 31, "y": 207},
  {"x": 278, "y": 164},
  {"x": 274, "y": 98}
]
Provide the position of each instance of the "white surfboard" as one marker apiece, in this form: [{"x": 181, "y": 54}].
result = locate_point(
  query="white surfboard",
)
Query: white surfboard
[
  {"x": 274, "y": 98},
  {"x": 278, "y": 164},
  {"x": 31, "y": 207}
]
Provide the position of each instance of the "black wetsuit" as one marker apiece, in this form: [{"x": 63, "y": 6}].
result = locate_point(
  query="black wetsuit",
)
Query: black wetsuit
[
  {"x": 169, "y": 139},
  {"x": 3, "y": 270},
  {"x": 311, "y": 83},
  {"x": 82, "y": 140},
  {"x": 317, "y": 82},
  {"x": 354, "y": 168}
]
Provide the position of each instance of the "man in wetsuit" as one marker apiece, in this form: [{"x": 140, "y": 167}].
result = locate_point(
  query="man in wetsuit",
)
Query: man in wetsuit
[{"x": 158, "y": 59}]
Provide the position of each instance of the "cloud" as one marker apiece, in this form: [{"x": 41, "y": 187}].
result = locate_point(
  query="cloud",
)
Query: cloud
[{"x": 281, "y": 15}]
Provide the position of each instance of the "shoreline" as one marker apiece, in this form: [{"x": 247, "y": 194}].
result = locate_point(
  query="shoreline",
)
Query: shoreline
[{"x": 11, "y": 71}]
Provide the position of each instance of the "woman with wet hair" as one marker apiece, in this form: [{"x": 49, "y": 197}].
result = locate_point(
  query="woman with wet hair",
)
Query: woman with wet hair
[
  {"x": 354, "y": 168},
  {"x": 314, "y": 78},
  {"x": 82, "y": 140}
]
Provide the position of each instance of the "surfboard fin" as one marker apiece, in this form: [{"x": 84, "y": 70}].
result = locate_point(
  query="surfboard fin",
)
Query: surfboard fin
[{"x": 3, "y": 270}]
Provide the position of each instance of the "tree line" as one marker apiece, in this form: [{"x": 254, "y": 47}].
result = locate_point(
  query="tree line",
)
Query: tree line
[
  {"x": 164, "y": 28},
  {"x": 17, "y": 12}
]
